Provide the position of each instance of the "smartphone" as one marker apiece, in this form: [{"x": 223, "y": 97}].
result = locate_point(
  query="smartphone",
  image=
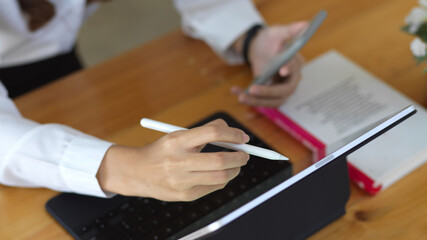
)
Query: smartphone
[{"x": 289, "y": 50}]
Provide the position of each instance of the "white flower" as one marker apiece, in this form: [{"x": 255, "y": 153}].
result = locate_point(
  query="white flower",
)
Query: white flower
[
  {"x": 418, "y": 47},
  {"x": 423, "y": 3},
  {"x": 416, "y": 17}
]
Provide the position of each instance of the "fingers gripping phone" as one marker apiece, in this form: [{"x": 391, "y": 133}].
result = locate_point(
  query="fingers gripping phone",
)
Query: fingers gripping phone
[{"x": 289, "y": 50}]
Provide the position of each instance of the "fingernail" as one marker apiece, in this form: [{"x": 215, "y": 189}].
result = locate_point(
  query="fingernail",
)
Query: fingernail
[
  {"x": 234, "y": 90},
  {"x": 255, "y": 90},
  {"x": 284, "y": 72},
  {"x": 242, "y": 99},
  {"x": 246, "y": 138}
]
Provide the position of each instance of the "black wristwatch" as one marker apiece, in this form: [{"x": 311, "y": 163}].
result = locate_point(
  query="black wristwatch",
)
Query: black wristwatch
[{"x": 252, "y": 32}]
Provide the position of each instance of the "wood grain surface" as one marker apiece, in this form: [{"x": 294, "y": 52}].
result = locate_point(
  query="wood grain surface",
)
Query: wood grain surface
[{"x": 180, "y": 80}]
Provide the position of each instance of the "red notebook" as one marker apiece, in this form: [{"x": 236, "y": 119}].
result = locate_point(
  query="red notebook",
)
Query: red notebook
[{"x": 334, "y": 102}]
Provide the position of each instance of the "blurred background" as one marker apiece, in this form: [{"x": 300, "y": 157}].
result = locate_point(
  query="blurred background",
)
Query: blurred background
[{"x": 121, "y": 25}]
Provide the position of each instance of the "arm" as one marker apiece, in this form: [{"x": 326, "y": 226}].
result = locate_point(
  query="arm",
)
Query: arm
[
  {"x": 63, "y": 159},
  {"x": 216, "y": 23},
  {"x": 47, "y": 155}
]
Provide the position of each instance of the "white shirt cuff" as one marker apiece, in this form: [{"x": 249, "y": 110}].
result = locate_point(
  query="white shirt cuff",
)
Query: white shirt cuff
[
  {"x": 80, "y": 165},
  {"x": 223, "y": 26}
]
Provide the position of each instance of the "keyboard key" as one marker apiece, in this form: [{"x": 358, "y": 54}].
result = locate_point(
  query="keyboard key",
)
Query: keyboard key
[
  {"x": 178, "y": 208},
  {"x": 125, "y": 206},
  {"x": 154, "y": 222},
  {"x": 141, "y": 230},
  {"x": 179, "y": 223},
  {"x": 230, "y": 193},
  {"x": 90, "y": 234},
  {"x": 154, "y": 237},
  {"x": 218, "y": 201},
  {"x": 125, "y": 224},
  {"x": 206, "y": 207},
  {"x": 114, "y": 220},
  {"x": 193, "y": 215},
  {"x": 166, "y": 215},
  {"x": 83, "y": 229},
  {"x": 254, "y": 180}
]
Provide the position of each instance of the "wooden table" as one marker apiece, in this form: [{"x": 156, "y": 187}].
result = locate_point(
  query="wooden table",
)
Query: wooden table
[{"x": 179, "y": 80}]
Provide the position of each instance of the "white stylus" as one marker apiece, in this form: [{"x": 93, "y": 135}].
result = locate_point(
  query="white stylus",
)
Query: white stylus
[{"x": 249, "y": 149}]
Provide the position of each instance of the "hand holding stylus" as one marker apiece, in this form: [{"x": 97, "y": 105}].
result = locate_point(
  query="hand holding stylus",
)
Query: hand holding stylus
[
  {"x": 249, "y": 149},
  {"x": 173, "y": 168}
]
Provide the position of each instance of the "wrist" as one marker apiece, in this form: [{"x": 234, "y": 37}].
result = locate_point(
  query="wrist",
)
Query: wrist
[
  {"x": 112, "y": 175},
  {"x": 248, "y": 42},
  {"x": 238, "y": 44}
]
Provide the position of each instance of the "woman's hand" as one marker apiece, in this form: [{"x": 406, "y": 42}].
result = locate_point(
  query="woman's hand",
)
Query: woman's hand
[
  {"x": 266, "y": 45},
  {"x": 173, "y": 168}
]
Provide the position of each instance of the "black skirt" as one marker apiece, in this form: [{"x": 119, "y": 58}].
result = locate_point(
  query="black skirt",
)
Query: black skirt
[{"x": 24, "y": 78}]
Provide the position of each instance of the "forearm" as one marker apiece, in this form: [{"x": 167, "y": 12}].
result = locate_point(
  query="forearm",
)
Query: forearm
[
  {"x": 219, "y": 23},
  {"x": 47, "y": 155}
]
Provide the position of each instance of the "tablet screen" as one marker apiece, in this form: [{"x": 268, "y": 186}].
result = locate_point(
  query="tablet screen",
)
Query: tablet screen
[{"x": 280, "y": 183}]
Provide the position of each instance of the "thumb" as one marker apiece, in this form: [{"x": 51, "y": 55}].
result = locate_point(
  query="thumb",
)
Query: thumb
[
  {"x": 293, "y": 29},
  {"x": 284, "y": 71}
]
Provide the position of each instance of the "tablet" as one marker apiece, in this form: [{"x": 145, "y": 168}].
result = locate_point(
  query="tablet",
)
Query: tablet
[
  {"x": 266, "y": 201},
  {"x": 289, "y": 50},
  {"x": 300, "y": 205}
]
